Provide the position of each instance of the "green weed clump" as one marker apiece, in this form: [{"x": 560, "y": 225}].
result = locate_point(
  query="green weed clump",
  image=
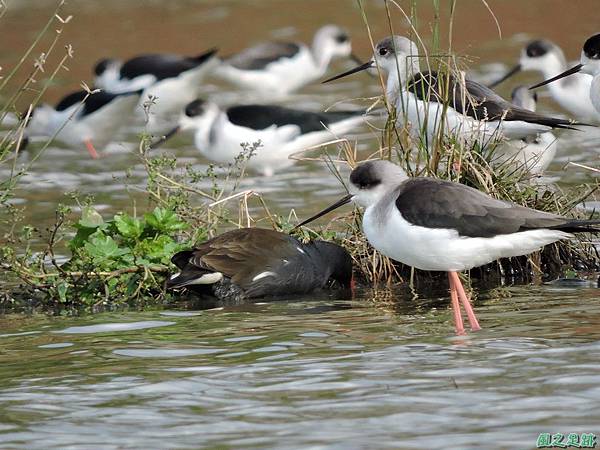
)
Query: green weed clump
[{"x": 114, "y": 262}]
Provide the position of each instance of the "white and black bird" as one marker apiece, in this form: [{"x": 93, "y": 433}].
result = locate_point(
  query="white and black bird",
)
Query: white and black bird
[
  {"x": 589, "y": 64},
  {"x": 83, "y": 119},
  {"x": 172, "y": 81},
  {"x": 254, "y": 262},
  {"x": 572, "y": 93},
  {"x": 438, "y": 225},
  {"x": 426, "y": 101},
  {"x": 220, "y": 133},
  {"x": 278, "y": 68},
  {"x": 533, "y": 153}
]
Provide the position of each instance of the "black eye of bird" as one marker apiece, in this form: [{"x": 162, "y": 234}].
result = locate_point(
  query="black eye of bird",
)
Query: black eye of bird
[
  {"x": 536, "y": 49},
  {"x": 383, "y": 51},
  {"x": 341, "y": 38}
]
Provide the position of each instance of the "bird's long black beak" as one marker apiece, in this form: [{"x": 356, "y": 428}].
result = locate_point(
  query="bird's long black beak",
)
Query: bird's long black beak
[
  {"x": 360, "y": 68},
  {"x": 508, "y": 74},
  {"x": 168, "y": 135},
  {"x": 336, "y": 205},
  {"x": 566, "y": 73}
]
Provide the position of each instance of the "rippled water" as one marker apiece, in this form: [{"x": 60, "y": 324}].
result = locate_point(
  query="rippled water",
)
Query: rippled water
[
  {"x": 329, "y": 374},
  {"x": 377, "y": 371}
]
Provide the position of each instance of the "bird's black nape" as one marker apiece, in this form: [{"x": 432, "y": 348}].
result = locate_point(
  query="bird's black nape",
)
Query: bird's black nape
[
  {"x": 591, "y": 48},
  {"x": 538, "y": 48},
  {"x": 365, "y": 176},
  {"x": 101, "y": 66},
  {"x": 195, "y": 108}
]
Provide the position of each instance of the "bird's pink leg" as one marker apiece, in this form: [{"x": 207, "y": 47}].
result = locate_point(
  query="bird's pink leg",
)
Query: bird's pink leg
[
  {"x": 465, "y": 301},
  {"x": 91, "y": 149},
  {"x": 458, "y": 321}
]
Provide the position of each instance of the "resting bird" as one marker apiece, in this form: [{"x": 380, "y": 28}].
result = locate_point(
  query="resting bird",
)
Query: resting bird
[
  {"x": 277, "y": 68},
  {"x": 171, "y": 81},
  {"x": 220, "y": 133},
  {"x": 431, "y": 103}
]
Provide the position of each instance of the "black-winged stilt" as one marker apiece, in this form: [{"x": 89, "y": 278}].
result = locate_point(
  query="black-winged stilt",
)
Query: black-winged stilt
[
  {"x": 81, "y": 118},
  {"x": 438, "y": 225},
  {"x": 277, "y": 68},
  {"x": 220, "y": 133},
  {"x": 171, "y": 81},
  {"x": 589, "y": 64}
]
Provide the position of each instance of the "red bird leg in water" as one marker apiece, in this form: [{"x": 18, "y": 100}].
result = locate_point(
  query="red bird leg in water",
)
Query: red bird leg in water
[
  {"x": 91, "y": 149},
  {"x": 458, "y": 321},
  {"x": 465, "y": 302}
]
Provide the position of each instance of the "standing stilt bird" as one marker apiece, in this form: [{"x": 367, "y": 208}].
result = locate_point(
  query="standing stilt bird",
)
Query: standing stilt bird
[{"x": 438, "y": 225}]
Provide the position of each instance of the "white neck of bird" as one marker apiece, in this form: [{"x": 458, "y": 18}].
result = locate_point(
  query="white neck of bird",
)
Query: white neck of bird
[
  {"x": 399, "y": 75},
  {"x": 595, "y": 92},
  {"x": 322, "y": 54},
  {"x": 554, "y": 63}
]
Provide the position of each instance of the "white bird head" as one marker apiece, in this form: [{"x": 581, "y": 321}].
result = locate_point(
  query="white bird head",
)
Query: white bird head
[
  {"x": 331, "y": 42},
  {"x": 369, "y": 183},
  {"x": 372, "y": 180}
]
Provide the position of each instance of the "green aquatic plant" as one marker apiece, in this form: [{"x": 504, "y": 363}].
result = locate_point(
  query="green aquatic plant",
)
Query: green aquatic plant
[
  {"x": 113, "y": 262},
  {"x": 125, "y": 260}
]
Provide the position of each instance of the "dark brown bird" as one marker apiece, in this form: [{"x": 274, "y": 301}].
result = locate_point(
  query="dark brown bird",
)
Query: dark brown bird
[{"x": 255, "y": 262}]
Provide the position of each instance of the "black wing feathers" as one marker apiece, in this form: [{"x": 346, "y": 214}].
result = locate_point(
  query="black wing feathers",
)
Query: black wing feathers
[
  {"x": 479, "y": 101},
  {"x": 434, "y": 203},
  {"x": 260, "y": 56},
  {"x": 259, "y": 117},
  {"x": 162, "y": 66},
  {"x": 92, "y": 103}
]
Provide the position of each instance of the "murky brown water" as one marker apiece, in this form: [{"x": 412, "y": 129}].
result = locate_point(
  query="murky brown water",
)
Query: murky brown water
[{"x": 302, "y": 374}]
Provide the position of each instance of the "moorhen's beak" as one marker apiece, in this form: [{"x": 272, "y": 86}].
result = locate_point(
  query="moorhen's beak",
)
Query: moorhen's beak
[
  {"x": 509, "y": 74},
  {"x": 336, "y": 205},
  {"x": 360, "y": 68},
  {"x": 168, "y": 135},
  {"x": 566, "y": 73}
]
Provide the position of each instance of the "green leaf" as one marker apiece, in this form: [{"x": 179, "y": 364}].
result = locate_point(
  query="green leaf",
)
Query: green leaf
[
  {"x": 81, "y": 237},
  {"x": 157, "y": 250},
  {"x": 104, "y": 249},
  {"x": 90, "y": 218},
  {"x": 164, "y": 221},
  {"x": 90, "y": 222},
  {"x": 129, "y": 227},
  {"x": 61, "y": 290}
]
